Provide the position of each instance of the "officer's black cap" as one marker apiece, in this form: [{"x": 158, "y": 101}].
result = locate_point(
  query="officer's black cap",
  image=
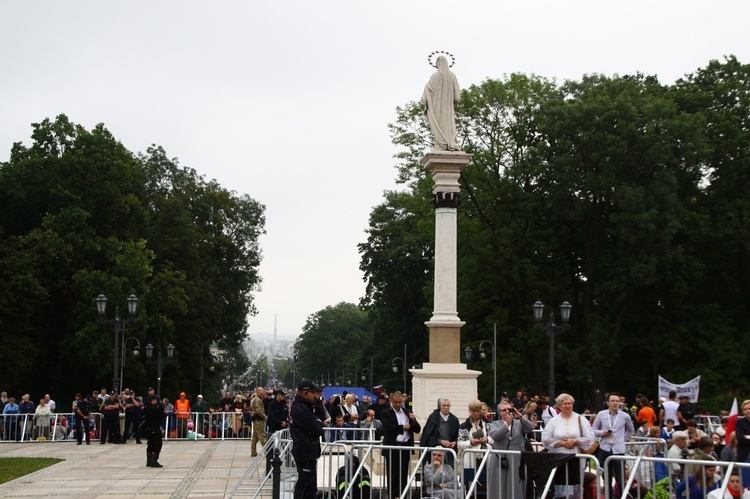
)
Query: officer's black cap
[{"x": 307, "y": 386}]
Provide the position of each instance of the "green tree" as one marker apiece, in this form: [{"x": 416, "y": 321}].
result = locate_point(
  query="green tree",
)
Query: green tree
[
  {"x": 81, "y": 215},
  {"x": 719, "y": 94},
  {"x": 578, "y": 192},
  {"x": 331, "y": 341}
]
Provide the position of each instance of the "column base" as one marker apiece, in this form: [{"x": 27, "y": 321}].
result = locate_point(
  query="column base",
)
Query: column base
[{"x": 452, "y": 381}]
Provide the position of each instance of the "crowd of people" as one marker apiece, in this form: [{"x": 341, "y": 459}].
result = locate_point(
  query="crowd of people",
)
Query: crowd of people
[
  {"x": 522, "y": 422},
  {"x": 528, "y": 422},
  {"x": 116, "y": 418}
]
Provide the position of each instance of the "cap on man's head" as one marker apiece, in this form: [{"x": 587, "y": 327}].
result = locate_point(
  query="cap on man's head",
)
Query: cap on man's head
[
  {"x": 307, "y": 386},
  {"x": 200, "y": 396},
  {"x": 278, "y": 392},
  {"x": 182, "y": 394}
]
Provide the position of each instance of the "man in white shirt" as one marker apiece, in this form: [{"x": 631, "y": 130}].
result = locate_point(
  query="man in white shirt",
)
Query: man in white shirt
[
  {"x": 669, "y": 411},
  {"x": 351, "y": 411},
  {"x": 678, "y": 450},
  {"x": 399, "y": 427},
  {"x": 50, "y": 402},
  {"x": 547, "y": 411},
  {"x": 614, "y": 427}
]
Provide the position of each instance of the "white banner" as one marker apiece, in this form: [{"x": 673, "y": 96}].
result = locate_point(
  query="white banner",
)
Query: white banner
[{"x": 692, "y": 388}]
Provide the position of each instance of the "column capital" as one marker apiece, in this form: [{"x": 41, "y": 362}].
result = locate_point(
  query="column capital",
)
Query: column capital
[{"x": 445, "y": 168}]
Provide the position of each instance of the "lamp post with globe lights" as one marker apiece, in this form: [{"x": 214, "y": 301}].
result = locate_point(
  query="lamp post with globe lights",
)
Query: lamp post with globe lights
[
  {"x": 552, "y": 330},
  {"x": 118, "y": 324},
  {"x": 483, "y": 355},
  {"x": 159, "y": 362}
]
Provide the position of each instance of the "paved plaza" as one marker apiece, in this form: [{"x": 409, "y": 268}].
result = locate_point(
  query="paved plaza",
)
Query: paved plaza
[{"x": 191, "y": 469}]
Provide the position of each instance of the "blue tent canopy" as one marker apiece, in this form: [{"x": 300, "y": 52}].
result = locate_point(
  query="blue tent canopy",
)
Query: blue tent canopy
[{"x": 360, "y": 392}]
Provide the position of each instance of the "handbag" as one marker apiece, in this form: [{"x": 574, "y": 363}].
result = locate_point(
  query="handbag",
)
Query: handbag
[{"x": 594, "y": 446}]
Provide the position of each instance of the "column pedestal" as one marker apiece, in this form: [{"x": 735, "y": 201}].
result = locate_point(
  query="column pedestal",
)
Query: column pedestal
[{"x": 452, "y": 381}]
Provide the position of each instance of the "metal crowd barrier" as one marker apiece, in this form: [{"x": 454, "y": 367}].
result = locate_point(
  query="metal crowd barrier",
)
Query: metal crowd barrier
[
  {"x": 209, "y": 426},
  {"x": 203, "y": 425},
  {"x": 587, "y": 464},
  {"x": 678, "y": 474},
  {"x": 29, "y": 427}
]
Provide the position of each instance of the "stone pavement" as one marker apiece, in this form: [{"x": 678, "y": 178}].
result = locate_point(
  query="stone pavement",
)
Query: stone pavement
[{"x": 202, "y": 469}]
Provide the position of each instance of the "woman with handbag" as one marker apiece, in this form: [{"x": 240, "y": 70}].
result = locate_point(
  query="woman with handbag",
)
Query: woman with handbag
[
  {"x": 507, "y": 433},
  {"x": 566, "y": 433},
  {"x": 474, "y": 433}
]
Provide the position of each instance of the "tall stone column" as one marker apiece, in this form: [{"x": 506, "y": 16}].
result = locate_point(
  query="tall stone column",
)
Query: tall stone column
[
  {"x": 444, "y": 376},
  {"x": 445, "y": 326}
]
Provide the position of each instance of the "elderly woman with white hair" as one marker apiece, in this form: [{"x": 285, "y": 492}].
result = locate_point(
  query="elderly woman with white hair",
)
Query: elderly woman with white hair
[{"x": 567, "y": 433}]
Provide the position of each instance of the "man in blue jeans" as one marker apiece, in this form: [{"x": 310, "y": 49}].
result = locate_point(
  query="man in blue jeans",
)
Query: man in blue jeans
[{"x": 614, "y": 428}]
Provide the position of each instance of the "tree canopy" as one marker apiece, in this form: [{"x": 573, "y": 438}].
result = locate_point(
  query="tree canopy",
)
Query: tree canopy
[
  {"x": 81, "y": 215},
  {"x": 621, "y": 195}
]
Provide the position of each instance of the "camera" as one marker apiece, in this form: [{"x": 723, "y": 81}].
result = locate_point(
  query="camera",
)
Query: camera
[{"x": 504, "y": 463}]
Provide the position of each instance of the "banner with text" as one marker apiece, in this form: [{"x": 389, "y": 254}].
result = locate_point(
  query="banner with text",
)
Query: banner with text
[{"x": 691, "y": 388}]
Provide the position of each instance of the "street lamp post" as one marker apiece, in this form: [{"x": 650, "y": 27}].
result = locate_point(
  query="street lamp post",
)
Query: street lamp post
[
  {"x": 136, "y": 353},
  {"x": 119, "y": 323},
  {"x": 483, "y": 355},
  {"x": 159, "y": 362},
  {"x": 364, "y": 374},
  {"x": 394, "y": 367},
  {"x": 552, "y": 330},
  {"x": 294, "y": 371}
]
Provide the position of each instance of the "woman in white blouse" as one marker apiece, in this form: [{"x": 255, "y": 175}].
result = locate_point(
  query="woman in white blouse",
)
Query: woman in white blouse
[{"x": 567, "y": 433}]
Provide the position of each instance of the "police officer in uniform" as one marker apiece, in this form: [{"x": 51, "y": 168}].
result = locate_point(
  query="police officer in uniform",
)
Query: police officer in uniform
[
  {"x": 153, "y": 418},
  {"x": 305, "y": 430},
  {"x": 111, "y": 424},
  {"x": 132, "y": 417},
  {"x": 83, "y": 409}
]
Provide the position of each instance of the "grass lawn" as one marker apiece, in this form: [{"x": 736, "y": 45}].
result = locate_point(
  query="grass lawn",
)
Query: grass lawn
[{"x": 14, "y": 467}]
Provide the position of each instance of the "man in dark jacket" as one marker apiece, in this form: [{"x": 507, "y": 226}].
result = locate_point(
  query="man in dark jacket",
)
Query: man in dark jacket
[
  {"x": 278, "y": 413},
  {"x": 153, "y": 418},
  {"x": 132, "y": 416},
  {"x": 399, "y": 427},
  {"x": 82, "y": 411},
  {"x": 111, "y": 420},
  {"x": 305, "y": 430}
]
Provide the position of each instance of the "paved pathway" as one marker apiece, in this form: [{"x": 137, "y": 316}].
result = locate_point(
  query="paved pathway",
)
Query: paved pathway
[{"x": 191, "y": 469}]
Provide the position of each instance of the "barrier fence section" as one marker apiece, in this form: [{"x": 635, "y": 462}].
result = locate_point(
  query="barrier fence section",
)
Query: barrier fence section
[
  {"x": 342, "y": 477},
  {"x": 54, "y": 427},
  {"x": 683, "y": 474}
]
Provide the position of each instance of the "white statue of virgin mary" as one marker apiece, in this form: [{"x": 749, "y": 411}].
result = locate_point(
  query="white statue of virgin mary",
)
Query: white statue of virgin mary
[{"x": 439, "y": 96}]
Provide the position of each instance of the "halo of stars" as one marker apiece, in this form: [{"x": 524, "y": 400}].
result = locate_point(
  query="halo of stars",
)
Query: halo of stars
[{"x": 437, "y": 53}]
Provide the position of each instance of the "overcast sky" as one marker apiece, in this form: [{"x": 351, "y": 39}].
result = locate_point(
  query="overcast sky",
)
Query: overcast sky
[{"x": 288, "y": 101}]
